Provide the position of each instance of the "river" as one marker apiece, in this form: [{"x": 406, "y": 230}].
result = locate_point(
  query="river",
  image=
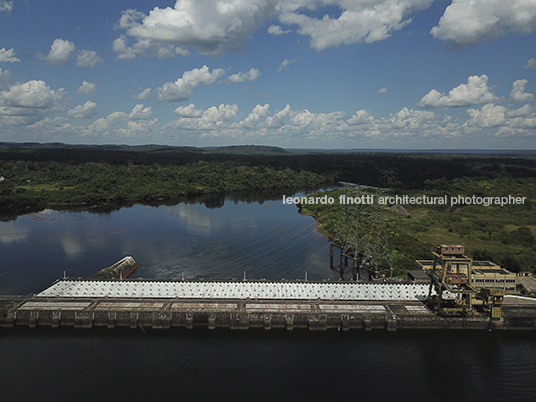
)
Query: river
[{"x": 215, "y": 237}]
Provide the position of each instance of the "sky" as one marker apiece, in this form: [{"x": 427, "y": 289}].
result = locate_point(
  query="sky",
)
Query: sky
[{"x": 331, "y": 74}]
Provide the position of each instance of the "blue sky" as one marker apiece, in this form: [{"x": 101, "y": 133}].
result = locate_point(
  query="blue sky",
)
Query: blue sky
[{"x": 397, "y": 74}]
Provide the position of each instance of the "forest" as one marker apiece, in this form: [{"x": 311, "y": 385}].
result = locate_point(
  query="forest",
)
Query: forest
[{"x": 35, "y": 176}]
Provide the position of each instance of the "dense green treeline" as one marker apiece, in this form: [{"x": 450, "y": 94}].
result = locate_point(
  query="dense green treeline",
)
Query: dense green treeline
[
  {"x": 503, "y": 234},
  {"x": 371, "y": 168},
  {"x": 48, "y": 183}
]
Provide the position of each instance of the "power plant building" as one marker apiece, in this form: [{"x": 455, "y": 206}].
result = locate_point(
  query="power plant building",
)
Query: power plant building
[{"x": 484, "y": 274}]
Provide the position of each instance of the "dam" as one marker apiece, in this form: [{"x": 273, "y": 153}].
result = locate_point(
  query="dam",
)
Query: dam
[
  {"x": 109, "y": 299},
  {"x": 241, "y": 305}
]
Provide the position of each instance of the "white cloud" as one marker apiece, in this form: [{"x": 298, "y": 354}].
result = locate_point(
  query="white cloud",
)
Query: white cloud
[
  {"x": 88, "y": 58},
  {"x": 280, "y": 117},
  {"x": 359, "y": 21},
  {"x": 181, "y": 89},
  {"x": 223, "y": 26},
  {"x": 87, "y": 88},
  {"x": 509, "y": 121},
  {"x": 360, "y": 117},
  {"x": 139, "y": 112},
  {"x": 31, "y": 99},
  {"x": 6, "y": 6},
  {"x": 188, "y": 111},
  {"x": 518, "y": 93},
  {"x": 143, "y": 95},
  {"x": 531, "y": 63},
  {"x": 476, "y": 91},
  {"x": 276, "y": 30},
  {"x": 212, "y": 28},
  {"x": 60, "y": 52},
  {"x": 382, "y": 90},
  {"x": 146, "y": 47},
  {"x": 6, "y": 79},
  {"x": 8, "y": 56},
  {"x": 104, "y": 124},
  {"x": 259, "y": 112},
  {"x": 210, "y": 119},
  {"x": 250, "y": 75},
  {"x": 85, "y": 111},
  {"x": 124, "y": 52},
  {"x": 466, "y": 23},
  {"x": 523, "y": 111},
  {"x": 285, "y": 64}
]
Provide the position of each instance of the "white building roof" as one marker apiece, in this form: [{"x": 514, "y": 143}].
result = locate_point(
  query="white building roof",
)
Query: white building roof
[{"x": 235, "y": 290}]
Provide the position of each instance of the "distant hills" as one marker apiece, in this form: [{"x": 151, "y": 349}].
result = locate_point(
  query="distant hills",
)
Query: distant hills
[{"x": 258, "y": 149}]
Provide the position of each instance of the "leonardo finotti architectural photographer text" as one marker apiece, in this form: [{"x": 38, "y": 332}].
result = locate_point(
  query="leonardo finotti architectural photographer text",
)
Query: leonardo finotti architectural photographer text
[{"x": 407, "y": 200}]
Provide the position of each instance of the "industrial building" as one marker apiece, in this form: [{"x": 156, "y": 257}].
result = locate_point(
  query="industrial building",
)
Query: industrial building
[{"x": 484, "y": 274}]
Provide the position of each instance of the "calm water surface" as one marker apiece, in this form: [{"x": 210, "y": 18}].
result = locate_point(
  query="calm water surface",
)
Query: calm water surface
[
  {"x": 261, "y": 238},
  {"x": 205, "y": 239}
]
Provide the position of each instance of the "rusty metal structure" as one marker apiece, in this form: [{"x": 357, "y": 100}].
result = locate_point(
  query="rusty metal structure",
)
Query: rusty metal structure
[{"x": 451, "y": 282}]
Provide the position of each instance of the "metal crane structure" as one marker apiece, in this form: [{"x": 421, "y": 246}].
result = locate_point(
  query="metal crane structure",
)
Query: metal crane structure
[
  {"x": 362, "y": 236},
  {"x": 451, "y": 282}
]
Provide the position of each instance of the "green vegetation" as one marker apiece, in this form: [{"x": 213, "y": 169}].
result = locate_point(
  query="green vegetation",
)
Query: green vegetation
[
  {"x": 47, "y": 183},
  {"x": 503, "y": 234}
]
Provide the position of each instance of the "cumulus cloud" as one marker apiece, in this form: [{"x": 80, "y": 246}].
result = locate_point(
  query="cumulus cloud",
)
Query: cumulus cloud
[
  {"x": 88, "y": 59},
  {"x": 259, "y": 112},
  {"x": 276, "y": 30},
  {"x": 143, "y": 95},
  {"x": 31, "y": 95},
  {"x": 212, "y": 28},
  {"x": 202, "y": 120},
  {"x": 286, "y": 64},
  {"x": 382, "y": 90},
  {"x": 139, "y": 112},
  {"x": 250, "y": 75},
  {"x": 531, "y": 63},
  {"x": 29, "y": 102},
  {"x": 6, "y": 79},
  {"x": 476, "y": 91},
  {"x": 466, "y": 23},
  {"x": 360, "y": 117},
  {"x": 60, "y": 52},
  {"x": 8, "y": 56},
  {"x": 188, "y": 111},
  {"x": 518, "y": 93},
  {"x": 510, "y": 122},
  {"x": 87, "y": 88},
  {"x": 6, "y": 7},
  {"x": 223, "y": 26},
  {"x": 85, "y": 111},
  {"x": 104, "y": 124},
  {"x": 359, "y": 21},
  {"x": 145, "y": 47},
  {"x": 181, "y": 89}
]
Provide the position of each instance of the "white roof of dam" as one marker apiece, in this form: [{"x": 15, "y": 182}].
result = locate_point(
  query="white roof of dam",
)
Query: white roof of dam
[{"x": 236, "y": 290}]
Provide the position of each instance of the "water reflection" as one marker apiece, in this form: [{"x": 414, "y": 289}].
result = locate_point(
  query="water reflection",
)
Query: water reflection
[{"x": 201, "y": 237}]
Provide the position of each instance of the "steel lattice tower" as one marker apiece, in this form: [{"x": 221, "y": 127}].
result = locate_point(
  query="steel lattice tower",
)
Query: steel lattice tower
[{"x": 362, "y": 235}]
